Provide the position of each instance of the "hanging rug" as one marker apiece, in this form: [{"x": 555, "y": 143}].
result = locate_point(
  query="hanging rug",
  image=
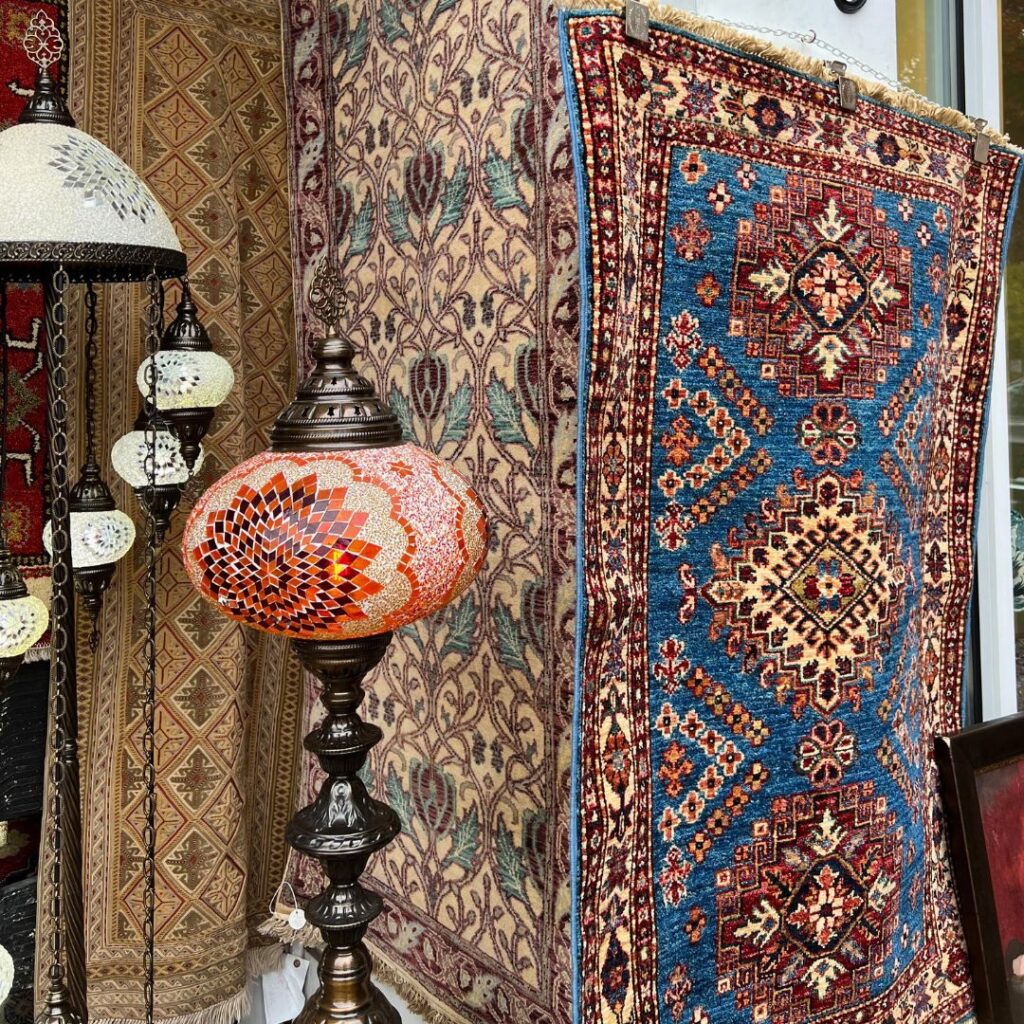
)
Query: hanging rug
[{"x": 786, "y": 346}]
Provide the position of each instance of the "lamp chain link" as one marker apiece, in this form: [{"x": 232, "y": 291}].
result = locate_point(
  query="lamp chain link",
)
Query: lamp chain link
[
  {"x": 5, "y": 374},
  {"x": 91, "y": 354},
  {"x": 149, "y": 687},
  {"x": 60, "y": 542}
]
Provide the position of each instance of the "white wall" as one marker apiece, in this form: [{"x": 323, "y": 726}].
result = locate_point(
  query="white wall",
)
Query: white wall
[{"x": 869, "y": 35}]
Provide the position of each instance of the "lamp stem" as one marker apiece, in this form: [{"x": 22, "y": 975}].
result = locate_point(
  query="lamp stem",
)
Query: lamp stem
[
  {"x": 341, "y": 828},
  {"x": 66, "y": 990},
  {"x": 149, "y": 683}
]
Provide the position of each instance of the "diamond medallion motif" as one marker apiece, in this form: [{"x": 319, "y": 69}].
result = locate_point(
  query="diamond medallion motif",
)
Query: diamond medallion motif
[
  {"x": 810, "y": 597},
  {"x": 821, "y": 290}
]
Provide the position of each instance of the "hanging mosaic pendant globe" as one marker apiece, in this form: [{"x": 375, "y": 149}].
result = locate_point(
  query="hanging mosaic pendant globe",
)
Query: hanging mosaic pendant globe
[
  {"x": 23, "y": 617},
  {"x": 191, "y": 379},
  {"x": 335, "y": 545}
]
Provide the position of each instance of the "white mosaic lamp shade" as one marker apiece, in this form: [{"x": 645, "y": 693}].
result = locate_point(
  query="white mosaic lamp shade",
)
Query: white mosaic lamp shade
[
  {"x": 69, "y": 200},
  {"x": 23, "y": 621},
  {"x": 130, "y": 458},
  {"x": 63, "y": 186},
  {"x": 188, "y": 380},
  {"x": 97, "y": 538}
]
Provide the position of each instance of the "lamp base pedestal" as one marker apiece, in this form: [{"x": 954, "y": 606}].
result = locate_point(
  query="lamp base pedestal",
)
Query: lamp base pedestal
[
  {"x": 347, "y": 995},
  {"x": 341, "y": 828}
]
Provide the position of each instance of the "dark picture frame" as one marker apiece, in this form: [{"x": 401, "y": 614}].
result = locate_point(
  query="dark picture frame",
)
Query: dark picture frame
[{"x": 982, "y": 775}]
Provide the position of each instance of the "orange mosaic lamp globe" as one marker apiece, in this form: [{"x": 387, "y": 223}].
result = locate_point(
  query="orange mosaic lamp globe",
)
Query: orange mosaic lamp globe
[
  {"x": 335, "y": 537},
  {"x": 336, "y": 544}
]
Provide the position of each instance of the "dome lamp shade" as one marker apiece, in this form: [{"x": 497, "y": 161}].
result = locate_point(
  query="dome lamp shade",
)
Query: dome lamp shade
[
  {"x": 191, "y": 379},
  {"x": 68, "y": 199}
]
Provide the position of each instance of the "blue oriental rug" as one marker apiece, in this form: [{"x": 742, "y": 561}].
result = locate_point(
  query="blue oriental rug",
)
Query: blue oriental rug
[{"x": 786, "y": 346}]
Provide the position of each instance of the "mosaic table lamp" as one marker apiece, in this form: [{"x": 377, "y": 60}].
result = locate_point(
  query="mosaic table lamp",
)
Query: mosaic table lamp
[{"x": 335, "y": 537}]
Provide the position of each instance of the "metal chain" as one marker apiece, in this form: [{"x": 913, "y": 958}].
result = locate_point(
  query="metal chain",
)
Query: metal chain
[
  {"x": 60, "y": 545},
  {"x": 91, "y": 355},
  {"x": 149, "y": 687},
  {"x": 5, "y": 372},
  {"x": 811, "y": 38}
]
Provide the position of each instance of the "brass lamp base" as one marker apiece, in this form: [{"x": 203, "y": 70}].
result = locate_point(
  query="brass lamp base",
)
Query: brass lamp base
[
  {"x": 341, "y": 828},
  {"x": 346, "y": 995}
]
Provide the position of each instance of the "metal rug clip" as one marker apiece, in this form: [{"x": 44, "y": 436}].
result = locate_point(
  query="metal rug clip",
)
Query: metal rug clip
[
  {"x": 982, "y": 141},
  {"x": 847, "y": 87},
  {"x": 638, "y": 21}
]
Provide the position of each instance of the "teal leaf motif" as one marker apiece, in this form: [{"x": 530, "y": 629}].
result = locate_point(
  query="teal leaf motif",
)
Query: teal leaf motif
[
  {"x": 508, "y": 422},
  {"x": 510, "y": 639},
  {"x": 502, "y": 181},
  {"x": 398, "y": 219},
  {"x": 511, "y": 870},
  {"x": 409, "y": 630},
  {"x": 362, "y": 228},
  {"x": 391, "y": 22},
  {"x": 400, "y": 407},
  {"x": 398, "y": 798},
  {"x": 357, "y": 44},
  {"x": 461, "y": 626},
  {"x": 456, "y": 417},
  {"x": 465, "y": 840},
  {"x": 453, "y": 202},
  {"x": 442, "y": 6}
]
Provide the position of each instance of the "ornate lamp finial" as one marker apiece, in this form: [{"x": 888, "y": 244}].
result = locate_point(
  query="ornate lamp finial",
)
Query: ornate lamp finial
[
  {"x": 43, "y": 43},
  {"x": 44, "y": 46},
  {"x": 335, "y": 408},
  {"x": 327, "y": 295}
]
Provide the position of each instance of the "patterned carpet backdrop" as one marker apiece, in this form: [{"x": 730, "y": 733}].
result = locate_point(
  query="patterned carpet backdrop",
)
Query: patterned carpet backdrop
[
  {"x": 431, "y": 158},
  {"x": 25, "y": 480},
  {"x": 788, "y": 326},
  {"x": 191, "y": 94}
]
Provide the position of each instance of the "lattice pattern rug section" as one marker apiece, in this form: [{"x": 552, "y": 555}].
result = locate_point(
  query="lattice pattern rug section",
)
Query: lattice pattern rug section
[
  {"x": 192, "y": 96},
  {"x": 453, "y": 220},
  {"x": 788, "y": 324}
]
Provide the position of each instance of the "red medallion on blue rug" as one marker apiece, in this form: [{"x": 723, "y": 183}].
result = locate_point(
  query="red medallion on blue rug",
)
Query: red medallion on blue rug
[{"x": 786, "y": 351}]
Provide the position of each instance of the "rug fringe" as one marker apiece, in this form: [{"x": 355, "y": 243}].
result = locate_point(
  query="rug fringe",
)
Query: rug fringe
[
  {"x": 412, "y": 993},
  {"x": 903, "y": 99},
  {"x": 229, "y": 1011},
  {"x": 261, "y": 959},
  {"x": 277, "y": 927}
]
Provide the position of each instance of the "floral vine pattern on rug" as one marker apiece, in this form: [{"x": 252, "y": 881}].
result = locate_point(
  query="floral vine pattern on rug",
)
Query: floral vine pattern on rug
[
  {"x": 788, "y": 346},
  {"x": 446, "y": 180}
]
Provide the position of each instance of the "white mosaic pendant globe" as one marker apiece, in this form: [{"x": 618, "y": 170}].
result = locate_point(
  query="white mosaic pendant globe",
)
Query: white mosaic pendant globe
[{"x": 97, "y": 538}]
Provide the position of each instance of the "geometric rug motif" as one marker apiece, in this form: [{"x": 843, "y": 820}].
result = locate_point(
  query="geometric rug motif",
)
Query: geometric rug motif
[
  {"x": 786, "y": 339},
  {"x": 192, "y": 96}
]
